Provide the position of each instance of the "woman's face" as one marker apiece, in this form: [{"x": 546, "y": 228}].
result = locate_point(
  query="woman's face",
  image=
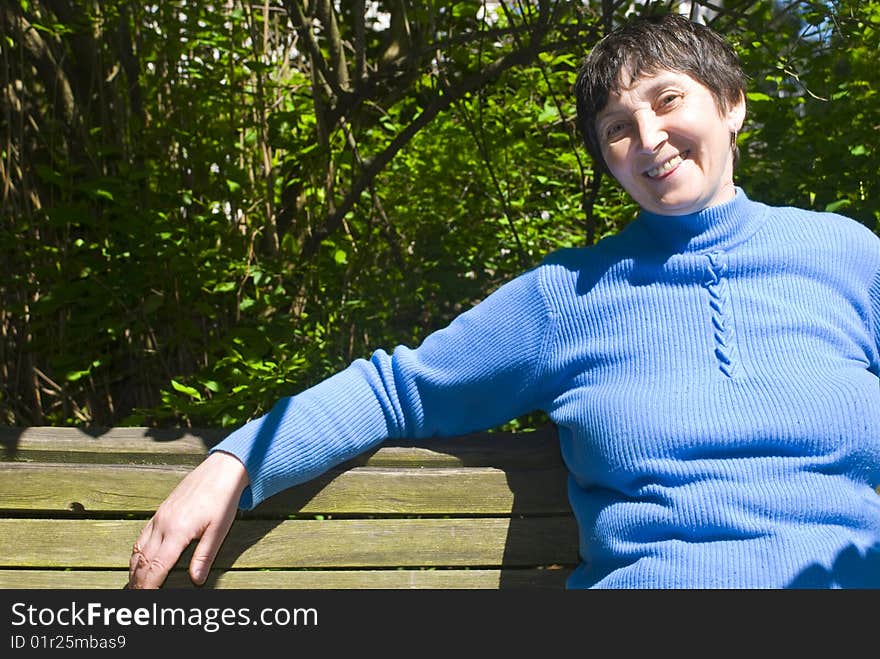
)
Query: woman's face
[{"x": 668, "y": 143}]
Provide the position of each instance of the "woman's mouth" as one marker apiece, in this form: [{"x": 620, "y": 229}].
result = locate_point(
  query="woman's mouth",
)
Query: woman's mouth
[{"x": 668, "y": 166}]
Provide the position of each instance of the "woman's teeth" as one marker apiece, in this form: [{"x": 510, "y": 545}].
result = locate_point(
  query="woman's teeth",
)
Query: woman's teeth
[{"x": 654, "y": 172}]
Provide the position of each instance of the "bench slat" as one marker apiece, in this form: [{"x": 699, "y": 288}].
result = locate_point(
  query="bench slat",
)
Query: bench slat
[
  {"x": 300, "y": 579},
  {"x": 149, "y": 446},
  {"x": 481, "y": 542},
  {"x": 28, "y": 487}
]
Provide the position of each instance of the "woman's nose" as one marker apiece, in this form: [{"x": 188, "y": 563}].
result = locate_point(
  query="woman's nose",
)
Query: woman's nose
[{"x": 651, "y": 132}]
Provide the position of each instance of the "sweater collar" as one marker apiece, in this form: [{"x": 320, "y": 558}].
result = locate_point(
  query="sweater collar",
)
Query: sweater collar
[{"x": 720, "y": 227}]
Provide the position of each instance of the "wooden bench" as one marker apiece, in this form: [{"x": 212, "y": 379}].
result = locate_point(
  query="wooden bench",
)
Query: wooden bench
[{"x": 483, "y": 511}]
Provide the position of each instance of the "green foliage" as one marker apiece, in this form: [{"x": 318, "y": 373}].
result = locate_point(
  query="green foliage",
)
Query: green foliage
[
  {"x": 209, "y": 208},
  {"x": 814, "y": 111}
]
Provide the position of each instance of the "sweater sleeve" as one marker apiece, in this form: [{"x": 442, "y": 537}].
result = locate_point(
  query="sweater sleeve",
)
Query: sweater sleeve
[
  {"x": 476, "y": 373},
  {"x": 874, "y": 296}
]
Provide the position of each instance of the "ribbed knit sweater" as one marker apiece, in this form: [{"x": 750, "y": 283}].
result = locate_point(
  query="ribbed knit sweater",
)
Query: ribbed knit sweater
[{"x": 713, "y": 378}]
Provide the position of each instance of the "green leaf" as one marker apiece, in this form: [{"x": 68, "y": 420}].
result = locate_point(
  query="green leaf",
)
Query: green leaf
[
  {"x": 257, "y": 67},
  {"x": 73, "y": 376},
  {"x": 549, "y": 113},
  {"x": 838, "y": 205},
  {"x": 184, "y": 389}
]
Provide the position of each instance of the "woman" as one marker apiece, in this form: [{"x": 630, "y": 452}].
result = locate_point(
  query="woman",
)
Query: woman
[{"x": 712, "y": 369}]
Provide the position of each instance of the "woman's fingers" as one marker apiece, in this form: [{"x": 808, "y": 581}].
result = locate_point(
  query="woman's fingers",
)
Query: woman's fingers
[
  {"x": 154, "y": 562},
  {"x": 206, "y": 551},
  {"x": 202, "y": 506}
]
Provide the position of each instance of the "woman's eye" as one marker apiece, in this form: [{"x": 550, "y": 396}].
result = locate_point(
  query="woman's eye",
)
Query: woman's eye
[
  {"x": 614, "y": 130},
  {"x": 669, "y": 99}
]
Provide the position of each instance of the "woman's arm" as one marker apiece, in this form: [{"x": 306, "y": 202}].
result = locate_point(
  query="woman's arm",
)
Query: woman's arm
[{"x": 476, "y": 373}]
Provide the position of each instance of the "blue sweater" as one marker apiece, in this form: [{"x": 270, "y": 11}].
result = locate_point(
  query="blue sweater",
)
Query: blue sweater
[{"x": 714, "y": 381}]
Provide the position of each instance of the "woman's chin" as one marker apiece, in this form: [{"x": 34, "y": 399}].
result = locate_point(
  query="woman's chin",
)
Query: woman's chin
[{"x": 679, "y": 199}]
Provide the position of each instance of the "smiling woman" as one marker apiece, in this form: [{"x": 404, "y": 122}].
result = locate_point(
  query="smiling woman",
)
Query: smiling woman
[
  {"x": 668, "y": 144},
  {"x": 712, "y": 369},
  {"x": 660, "y": 105}
]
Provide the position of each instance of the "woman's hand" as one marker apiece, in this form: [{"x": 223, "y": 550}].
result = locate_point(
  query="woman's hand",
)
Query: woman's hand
[{"x": 202, "y": 506}]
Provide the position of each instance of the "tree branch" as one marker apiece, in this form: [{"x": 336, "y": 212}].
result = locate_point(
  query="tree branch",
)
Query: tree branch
[
  {"x": 375, "y": 165},
  {"x": 339, "y": 67},
  {"x": 303, "y": 25},
  {"x": 54, "y": 78}
]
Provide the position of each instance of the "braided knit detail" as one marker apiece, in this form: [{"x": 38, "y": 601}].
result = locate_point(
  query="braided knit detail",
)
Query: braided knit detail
[{"x": 716, "y": 285}]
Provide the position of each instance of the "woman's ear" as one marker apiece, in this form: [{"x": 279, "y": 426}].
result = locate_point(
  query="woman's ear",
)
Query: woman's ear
[{"x": 736, "y": 114}]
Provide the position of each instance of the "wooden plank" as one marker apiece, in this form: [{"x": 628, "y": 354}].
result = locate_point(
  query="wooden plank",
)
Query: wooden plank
[
  {"x": 480, "y": 542},
  {"x": 299, "y": 579},
  {"x": 100, "y": 439},
  {"x": 63, "y": 488},
  {"x": 46, "y": 443},
  {"x": 58, "y": 489},
  {"x": 151, "y": 446}
]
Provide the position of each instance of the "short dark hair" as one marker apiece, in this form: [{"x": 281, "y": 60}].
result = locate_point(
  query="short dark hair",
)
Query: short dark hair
[{"x": 647, "y": 45}]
